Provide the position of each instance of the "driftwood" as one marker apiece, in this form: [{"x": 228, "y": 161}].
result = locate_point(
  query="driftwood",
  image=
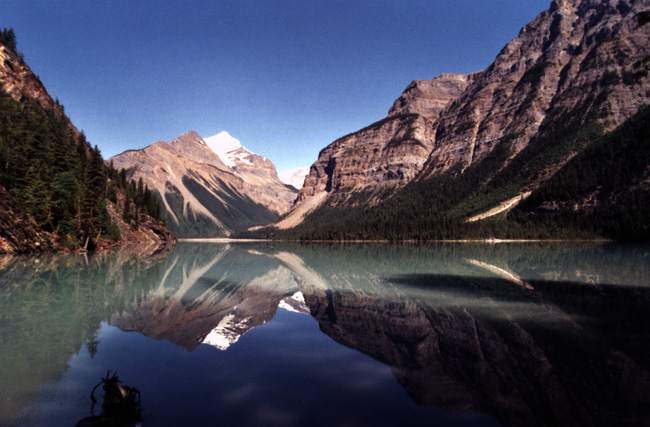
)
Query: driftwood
[{"x": 120, "y": 407}]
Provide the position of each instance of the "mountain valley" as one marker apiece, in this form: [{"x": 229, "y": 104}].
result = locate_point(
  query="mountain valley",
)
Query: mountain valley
[{"x": 549, "y": 141}]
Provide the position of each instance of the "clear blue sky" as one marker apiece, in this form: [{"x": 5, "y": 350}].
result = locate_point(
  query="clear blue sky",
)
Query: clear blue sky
[{"x": 285, "y": 77}]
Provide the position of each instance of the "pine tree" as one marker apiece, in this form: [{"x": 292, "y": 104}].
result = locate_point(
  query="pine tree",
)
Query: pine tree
[
  {"x": 65, "y": 192},
  {"x": 8, "y": 38}
]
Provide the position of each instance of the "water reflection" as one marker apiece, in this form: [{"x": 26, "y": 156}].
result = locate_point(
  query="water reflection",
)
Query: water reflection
[
  {"x": 497, "y": 336},
  {"x": 216, "y": 295},
  {"x": 530, "y": 335},
  {"x": 50, "y": 306}
]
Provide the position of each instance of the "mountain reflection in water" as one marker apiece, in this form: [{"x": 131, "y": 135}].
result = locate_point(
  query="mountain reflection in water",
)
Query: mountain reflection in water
[{"x": 523, "y": 334}]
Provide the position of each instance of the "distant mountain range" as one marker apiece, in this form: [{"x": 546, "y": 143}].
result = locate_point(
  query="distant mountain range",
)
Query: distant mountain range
[
  {"x": 528, "y": 147},
  {"x": 209, "y": 187}
]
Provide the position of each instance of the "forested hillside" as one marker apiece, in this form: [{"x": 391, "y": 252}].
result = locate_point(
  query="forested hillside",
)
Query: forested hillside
[{"x": 55, "y": 181}]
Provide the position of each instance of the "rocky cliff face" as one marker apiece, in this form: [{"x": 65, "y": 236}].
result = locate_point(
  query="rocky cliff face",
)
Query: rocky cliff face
[
  {"x": 388, "y": 153},
  {"x": 201, "y": 194},
  {"x": 20, "y": 82},
  {"x": 578, "y": 53},
  {"x": 429, "y": 98},
  {"x": 584, "y": 59}
]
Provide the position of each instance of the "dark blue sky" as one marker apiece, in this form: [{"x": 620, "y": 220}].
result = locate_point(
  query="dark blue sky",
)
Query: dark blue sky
[{"x": 286, "y": 77}]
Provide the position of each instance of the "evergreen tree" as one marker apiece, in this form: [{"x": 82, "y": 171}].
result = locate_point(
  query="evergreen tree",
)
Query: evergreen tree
[
  {"x": 8, "y": 38},
  {"x": 53, "y": 172},
  {"x": 65, "y": 193}
]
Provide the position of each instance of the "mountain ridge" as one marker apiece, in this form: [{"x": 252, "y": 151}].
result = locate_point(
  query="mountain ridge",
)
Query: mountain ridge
[
  {"x": 201, "y": 194},
  {"x": 578, "y": 70}
]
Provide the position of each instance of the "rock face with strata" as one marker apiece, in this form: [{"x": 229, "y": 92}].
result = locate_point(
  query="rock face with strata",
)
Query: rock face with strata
[
  {"x": 584, "y": 58},
  {"x": 429, "y": 98},
  {"x": 20, "y": 82},
  {"x": 387, "y": 153},
  {"x": 574, "y": 54},
  {"x": 201, "y": 194}
]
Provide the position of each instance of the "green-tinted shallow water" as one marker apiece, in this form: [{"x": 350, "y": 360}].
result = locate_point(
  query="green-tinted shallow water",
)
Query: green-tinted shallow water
[{"x": 270, "y": 334}]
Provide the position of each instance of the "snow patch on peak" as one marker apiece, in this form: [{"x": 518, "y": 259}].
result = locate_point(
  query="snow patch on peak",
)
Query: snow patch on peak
[
  {"x": 229, "y": 149},
  {"x": 223, "y": 142},
  {"x": 295, "y": 177}
]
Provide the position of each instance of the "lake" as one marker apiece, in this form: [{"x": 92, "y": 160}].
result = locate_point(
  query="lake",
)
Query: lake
[{"x": 454, "y": 334}]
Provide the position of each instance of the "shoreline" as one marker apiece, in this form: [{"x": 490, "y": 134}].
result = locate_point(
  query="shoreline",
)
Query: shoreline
[
  {"x": 489, "y": 241},
  {"x": 219, "y": 240}
]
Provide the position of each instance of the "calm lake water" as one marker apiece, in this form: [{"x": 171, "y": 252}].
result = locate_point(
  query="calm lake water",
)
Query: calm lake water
[{"x": 332, "y": 335}]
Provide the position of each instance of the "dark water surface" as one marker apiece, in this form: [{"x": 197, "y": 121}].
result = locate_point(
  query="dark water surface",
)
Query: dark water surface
[{"x": 333, "y": 335}]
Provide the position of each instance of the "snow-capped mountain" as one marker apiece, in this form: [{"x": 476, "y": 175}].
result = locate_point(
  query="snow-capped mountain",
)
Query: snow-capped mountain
[
  {"x": 229, "y": 149},
  {"x": 252, "y": 167},
  {"x": 294, "y": 177},
  {"x": 209, "y": 187}
]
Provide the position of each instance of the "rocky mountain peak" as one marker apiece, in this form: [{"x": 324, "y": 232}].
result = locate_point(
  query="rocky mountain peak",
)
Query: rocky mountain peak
[
  {"x": 565, "y": 6},
  {"x": 224, "y": 145},
  {"x": 203, "y": 193},
  {"x": 575, "y": 53},
  {"x": 189, "y": 137},
  {"x": 429, "y": 98},
  {"x": 586, "y": 60},
  {"x": 193, "y": 147},
  {"x": 249, "y": 165},
  {"x": 20, "y": 82}
]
